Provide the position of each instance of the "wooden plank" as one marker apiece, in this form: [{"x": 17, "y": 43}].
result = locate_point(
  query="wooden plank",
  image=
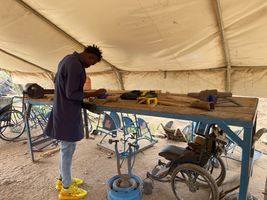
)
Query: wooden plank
[{"x": 180, "y": 104}]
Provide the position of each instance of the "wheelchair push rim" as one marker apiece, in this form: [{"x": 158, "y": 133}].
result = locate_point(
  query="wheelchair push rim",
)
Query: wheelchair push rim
[{"x": 186, "y": 186}]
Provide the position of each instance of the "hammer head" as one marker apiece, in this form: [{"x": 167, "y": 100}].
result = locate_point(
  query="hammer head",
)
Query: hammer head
[{"x": 204, "y": 95}]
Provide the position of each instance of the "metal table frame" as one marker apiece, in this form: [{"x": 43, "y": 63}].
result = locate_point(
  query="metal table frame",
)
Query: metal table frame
[
  {"x": 247, "y": 143},
  {"x": 29, "y": 104}
]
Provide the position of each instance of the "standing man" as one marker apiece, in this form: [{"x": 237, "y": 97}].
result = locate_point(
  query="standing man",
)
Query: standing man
[{"x": 65, "y": 122}]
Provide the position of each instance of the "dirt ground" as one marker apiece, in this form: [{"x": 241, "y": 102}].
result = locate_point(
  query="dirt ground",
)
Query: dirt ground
[{"x": 22, "y": 179}]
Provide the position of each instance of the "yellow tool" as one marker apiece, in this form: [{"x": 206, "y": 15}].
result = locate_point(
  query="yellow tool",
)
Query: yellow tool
[
  {"x": 148, "y": 97},
  {"x": 147, "y": 100}
]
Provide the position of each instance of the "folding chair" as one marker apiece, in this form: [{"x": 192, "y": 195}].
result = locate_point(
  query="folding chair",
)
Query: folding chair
[
  {"x": 231, "y": 146},
  {"x": 130, "y": 127},
  {"x": 110, "y": 126},
  {"x": 137, "y": 128},
  {"x": 191, "y": 129},
  {"x": 145, "y": 130}
]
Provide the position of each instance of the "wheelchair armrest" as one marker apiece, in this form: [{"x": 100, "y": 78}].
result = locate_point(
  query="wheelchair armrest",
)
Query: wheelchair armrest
[
  {"x": 259, "y": 133},
  {"x": 194, "y": 147}
]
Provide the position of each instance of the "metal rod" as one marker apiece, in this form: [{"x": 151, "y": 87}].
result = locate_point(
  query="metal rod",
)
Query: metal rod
[
  {"x": 225, "y": 46},
  {"x": 119, "y": 78},
  {"x": 23, "y": 60}
]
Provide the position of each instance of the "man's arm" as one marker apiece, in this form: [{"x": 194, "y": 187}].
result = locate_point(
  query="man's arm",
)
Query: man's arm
[{"x": 72, "y": 83}]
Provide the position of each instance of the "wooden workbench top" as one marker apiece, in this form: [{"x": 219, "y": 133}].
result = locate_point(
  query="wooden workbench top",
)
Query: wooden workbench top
[
  {"x": 181, "y": 106},
  {"x": 227, "y": 111}
]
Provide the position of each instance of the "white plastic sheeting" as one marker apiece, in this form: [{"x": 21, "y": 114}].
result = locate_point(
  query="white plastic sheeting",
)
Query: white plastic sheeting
[
  {"x": 105, "y": 80},
  {"x": 168, "y": 45},
  {"x": 10, "y": 63},
  {"x": 175, "y": 82},
  {"x": 250, "y": 82},
  {"x": 245, "y": 24},
  {"x": 43, "y": 79}
]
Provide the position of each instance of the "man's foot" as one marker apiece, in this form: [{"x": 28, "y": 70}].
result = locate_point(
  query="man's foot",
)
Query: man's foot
[
  {"x": 73, "y": 192},
  {"x": 75, "y": 182}
]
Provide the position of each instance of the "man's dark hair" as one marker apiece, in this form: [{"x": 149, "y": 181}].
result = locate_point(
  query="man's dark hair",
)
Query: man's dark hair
[{"x": 94, "y": 50}]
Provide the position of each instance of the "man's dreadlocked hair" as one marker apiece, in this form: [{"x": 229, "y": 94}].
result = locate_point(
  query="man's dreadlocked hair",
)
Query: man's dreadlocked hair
[{"x": 94, "y": 50}]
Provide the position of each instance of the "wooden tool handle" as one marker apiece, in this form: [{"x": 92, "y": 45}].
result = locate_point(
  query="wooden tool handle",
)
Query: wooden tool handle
[{"x": 201, "y": 104}]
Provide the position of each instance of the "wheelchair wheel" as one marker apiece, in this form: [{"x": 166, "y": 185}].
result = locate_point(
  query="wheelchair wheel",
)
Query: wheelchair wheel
[
  {"x": 217, "y": 169},
  {"x": 12, "y": 125},
  {"x": 185, "y": 184}
]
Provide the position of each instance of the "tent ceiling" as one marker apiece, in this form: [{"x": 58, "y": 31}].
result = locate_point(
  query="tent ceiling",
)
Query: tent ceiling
[
  {"x": 149, "y": 37},
  {"x": 10, "y": 62},
  {"x": 142, "y": 35}
]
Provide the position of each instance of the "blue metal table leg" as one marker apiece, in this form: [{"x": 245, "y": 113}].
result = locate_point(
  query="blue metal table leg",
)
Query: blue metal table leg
[
  {"x": 85, "y": 120},
  {"x": 246, "y": 166},
  {"x": 28, "y": 130}
]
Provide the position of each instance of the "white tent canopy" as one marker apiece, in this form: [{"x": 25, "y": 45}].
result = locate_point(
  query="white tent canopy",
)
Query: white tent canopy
[{"x": 174, "y": 45}]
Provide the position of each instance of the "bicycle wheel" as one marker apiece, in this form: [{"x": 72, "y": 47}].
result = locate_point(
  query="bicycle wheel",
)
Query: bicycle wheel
[
  {"x": 185, "y": 185},
  {"x": 3, "y": 124},
  {"x": 12, "y": 125}
]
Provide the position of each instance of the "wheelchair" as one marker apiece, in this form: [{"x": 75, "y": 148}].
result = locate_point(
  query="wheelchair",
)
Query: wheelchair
[
  {"x": 190, "y": 170},
  {"x": 12, "y": 123}
]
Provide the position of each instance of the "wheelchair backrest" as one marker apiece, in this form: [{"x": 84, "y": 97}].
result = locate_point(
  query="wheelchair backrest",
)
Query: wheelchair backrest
[{"x": 201, "y": 128}]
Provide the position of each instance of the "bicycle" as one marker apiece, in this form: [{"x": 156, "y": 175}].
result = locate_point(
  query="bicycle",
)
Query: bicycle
[{"x": 12, "y": 123}]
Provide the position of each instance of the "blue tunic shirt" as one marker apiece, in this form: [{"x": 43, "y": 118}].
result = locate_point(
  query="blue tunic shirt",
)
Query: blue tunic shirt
[{"x": 65, "y": 121}]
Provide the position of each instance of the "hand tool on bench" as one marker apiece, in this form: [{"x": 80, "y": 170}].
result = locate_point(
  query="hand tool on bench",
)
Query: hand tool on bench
[
  {"x": 35, "y": 91},
  {"x": 148, "y": 97},
  {"x": 217, "y": 97}
]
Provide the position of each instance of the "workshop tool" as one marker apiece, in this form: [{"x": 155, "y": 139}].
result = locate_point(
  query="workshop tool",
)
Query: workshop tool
[
  {"x": 209, "y": 98},
  {"x": 148, "y": 97},
  {"x": 132, "y": 95},
  {"x": 35, "y": 91},
  {"x": 196, "y": 104},
  {"x": 202, "y": 105},
  {"x": 124, "y": 186},
  {"x": 204, "y": 94},
  {"x": 180, "y": 101},
  {"x": 217, "y": 97}
]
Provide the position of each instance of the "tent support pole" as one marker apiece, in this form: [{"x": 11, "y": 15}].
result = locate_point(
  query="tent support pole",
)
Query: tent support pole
[
  {"x": 21, "y": 59},
  {"x": 225, "y": 46},
  {"x": 119, "y": 77}
]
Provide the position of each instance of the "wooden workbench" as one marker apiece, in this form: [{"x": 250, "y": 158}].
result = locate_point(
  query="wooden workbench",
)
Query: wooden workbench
[
  {"x": 228, "y": 111},
  {"x": 225, "y": 115}
]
